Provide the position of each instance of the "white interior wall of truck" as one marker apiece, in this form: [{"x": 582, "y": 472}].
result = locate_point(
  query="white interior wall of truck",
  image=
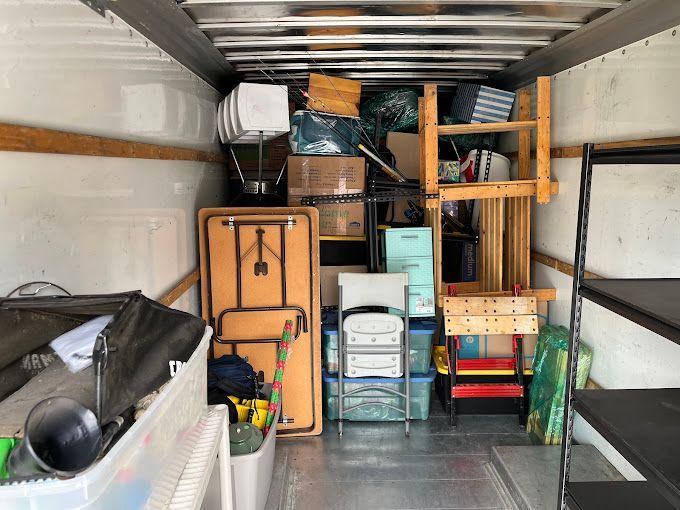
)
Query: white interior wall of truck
[
  {"x": 628, "y": 94},
  {"x": 95, "y": 224}
]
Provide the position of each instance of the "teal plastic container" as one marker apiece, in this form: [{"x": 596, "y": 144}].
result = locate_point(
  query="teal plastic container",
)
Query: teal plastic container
[
  {"x": 421, "y": 389},
  {"x": 420, "y": 269},
  {"x": 421, "y": 337},
  {"x": 407, "y": 242}
]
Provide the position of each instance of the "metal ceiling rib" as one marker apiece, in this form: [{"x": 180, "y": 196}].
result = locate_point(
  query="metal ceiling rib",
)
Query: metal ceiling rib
[{"x": 386, "y": 43}]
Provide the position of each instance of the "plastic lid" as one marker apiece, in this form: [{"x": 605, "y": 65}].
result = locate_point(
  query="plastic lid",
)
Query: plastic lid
[
  {"x": 240, "y": 433},
  {"x": 416, "y": 327},
  {"x": 415, "y": 378}
]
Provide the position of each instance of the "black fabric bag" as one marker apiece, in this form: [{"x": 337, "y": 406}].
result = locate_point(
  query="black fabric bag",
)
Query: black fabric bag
[{"x": 134, "y": 354}]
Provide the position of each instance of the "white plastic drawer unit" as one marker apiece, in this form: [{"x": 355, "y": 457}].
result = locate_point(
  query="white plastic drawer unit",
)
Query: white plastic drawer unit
[{"x": 374, "y": 347}]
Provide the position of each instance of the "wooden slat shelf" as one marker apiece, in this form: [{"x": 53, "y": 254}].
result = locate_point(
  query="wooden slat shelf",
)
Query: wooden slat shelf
[
  {"x": 498, "y": 189},
  {"x": 487, "y": 127}
]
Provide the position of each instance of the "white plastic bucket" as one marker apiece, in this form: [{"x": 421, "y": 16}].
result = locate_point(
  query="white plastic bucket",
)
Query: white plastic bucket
[
  {"x": 251, "y": 474},
  {"x": 498, "y": 171}
]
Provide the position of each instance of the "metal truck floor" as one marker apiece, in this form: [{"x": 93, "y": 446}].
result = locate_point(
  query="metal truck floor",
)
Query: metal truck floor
[{"x": 374, "y": 466}]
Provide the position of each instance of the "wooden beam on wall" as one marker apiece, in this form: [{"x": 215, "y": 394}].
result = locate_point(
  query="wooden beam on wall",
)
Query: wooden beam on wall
[
  {"x": 559, "y": 265},
  {"x": 15, "y": 138},
  {"x": 178, "y": 290},
  {"x": 576, "y": 151}
]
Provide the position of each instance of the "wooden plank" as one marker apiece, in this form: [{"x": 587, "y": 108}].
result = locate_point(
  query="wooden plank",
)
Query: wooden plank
[
  {"x": 178, "y": 290},
  {"x": 524, "y": 145},
  {"x": 559, "y": 265},
  {"x": 543, "y": 139},
  {"x": 517, "y": 243},
  {"x": 16, "y": 138},
  {"x": 576, "y": 151},
  {"x": 430, "y": 140},
  {"x": 463, "y": 287},
  {"x": 491, "y": 244},
  {"x": 421, "y": 138},
  {"x": 499, "y": 189},
  {"x": 499, "y": 210},
  {"x": 473, "y": 305},
  {"x": 491, "y": 325},
  {"x": 509, "y": 243},
  {"x": 487, "y": 127},
  {"x": 539, "y": 294}
]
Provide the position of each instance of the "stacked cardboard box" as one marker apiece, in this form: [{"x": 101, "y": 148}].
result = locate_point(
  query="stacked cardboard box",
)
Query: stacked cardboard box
[{"x": 330, "y": 175}]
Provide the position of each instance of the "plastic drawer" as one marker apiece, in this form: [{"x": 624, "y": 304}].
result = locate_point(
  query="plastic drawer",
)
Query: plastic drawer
[
  {"x": 421, "y": 301},
  {"x": 421, "y": 389},
  {"x": 420, "y": 269},
  {"x": 408, "y": 242},
  {"x": 421, "y": 335}
]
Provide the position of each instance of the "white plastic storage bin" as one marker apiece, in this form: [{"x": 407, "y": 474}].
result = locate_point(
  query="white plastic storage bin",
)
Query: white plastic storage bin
[
  {"x": 143, "y": 467},
  {"x": 252, "y": 473},
  {"x": 251, "y": 108}
]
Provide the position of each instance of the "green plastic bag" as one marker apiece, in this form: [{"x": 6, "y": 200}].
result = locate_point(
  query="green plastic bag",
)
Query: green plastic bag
[
  {"x": 546, "y": 409},
  {"x": 6, "y": 446},
  {"x": 467, "y": 143},
  {"x": 398, "y": 109}
]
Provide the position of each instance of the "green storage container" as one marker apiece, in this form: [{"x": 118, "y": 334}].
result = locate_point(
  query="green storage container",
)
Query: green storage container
[
  {"x": 421, "y": 301},
  {"x": 420, "y": 269},
  {"x": 421, "y": 389},
  {"x": 407, "y": 242},
  {"x": 421, "y": 337}
]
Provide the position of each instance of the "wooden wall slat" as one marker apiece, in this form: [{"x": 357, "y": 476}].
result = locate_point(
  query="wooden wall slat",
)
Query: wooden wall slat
[
  {"x": 16, "y": 138},
  {"x": 576, "y": 151}
]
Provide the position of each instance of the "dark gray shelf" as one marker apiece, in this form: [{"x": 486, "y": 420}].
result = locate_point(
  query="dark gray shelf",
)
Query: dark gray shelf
[
  {"x": 644, "y": 427},
  {"x": 651, "y": 303},
  {"x": 614, "y": 496}
]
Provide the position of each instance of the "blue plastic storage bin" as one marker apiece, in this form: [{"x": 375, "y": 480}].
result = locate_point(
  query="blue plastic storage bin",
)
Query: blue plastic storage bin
[{"x": 421, "y": 389}]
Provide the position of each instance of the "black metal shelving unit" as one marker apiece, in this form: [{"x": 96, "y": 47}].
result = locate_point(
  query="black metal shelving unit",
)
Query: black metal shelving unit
[{"x": 644, "y": 424}]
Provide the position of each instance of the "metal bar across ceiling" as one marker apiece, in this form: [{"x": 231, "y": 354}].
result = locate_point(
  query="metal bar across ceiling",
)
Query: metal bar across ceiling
[
  {"x": 382, "y": 42},
  {"x": 388, "y": 43}
]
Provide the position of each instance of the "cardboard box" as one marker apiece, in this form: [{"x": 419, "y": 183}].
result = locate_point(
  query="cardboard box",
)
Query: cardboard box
[
  {"x": 333, "y": 95},
  {"x": 329, "y": 282},
  {"x": 406, "y": 150},
  {"x": 329, "y": 175},
  {"x": 500, "y": 346}
]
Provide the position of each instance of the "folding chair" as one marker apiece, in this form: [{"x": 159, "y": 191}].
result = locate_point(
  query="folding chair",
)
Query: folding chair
[{"x": 371, "y": 290}]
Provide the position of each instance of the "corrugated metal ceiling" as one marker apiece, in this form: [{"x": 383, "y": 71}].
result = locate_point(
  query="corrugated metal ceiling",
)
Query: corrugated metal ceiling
[{"x": 386, "y": 43}]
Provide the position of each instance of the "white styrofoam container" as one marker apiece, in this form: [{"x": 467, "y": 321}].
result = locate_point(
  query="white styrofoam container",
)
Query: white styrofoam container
[
  {"x": 143, "y": 467},
  {"x": 220, "y": 122},
  {"x": 252, "y": 473},
  {"x": 254, "y": 107}
]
